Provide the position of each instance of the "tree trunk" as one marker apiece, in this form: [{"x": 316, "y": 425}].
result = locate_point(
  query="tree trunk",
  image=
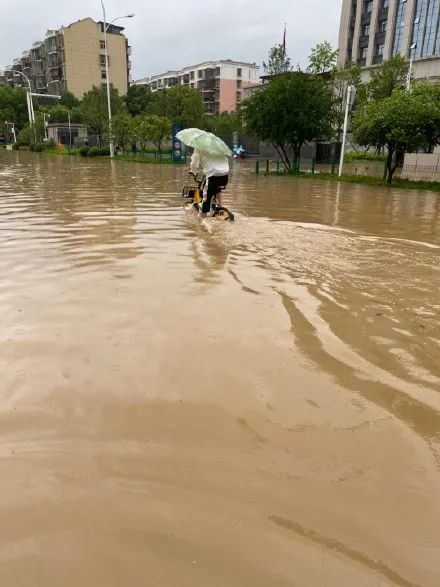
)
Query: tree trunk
[
  {"x": 390, "y": 170},
  {"x": 296, "y": 155},
  {"x": 283, "y": 156}
]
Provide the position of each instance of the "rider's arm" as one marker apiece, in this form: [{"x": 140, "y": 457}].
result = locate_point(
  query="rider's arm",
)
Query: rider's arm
[{"x": 195, "y": 162}]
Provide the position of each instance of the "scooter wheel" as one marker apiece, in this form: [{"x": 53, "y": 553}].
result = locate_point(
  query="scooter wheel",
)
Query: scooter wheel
[{"x": 224, "y": 214}]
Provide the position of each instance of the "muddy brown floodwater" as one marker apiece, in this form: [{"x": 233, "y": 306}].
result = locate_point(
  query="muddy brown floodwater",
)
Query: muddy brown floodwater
[{"x": 258, "y": 405}]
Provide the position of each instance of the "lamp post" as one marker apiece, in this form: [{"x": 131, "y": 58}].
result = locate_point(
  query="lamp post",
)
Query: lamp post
[
  {"x": 29, "y": 98},
  {"x": 46, "y": 134},
  {"x": 109, "y": 106},
  {"x": 350, "y": 91},
  {"x": 410, "y": 70},
  {"x": 12, "y": 125}
]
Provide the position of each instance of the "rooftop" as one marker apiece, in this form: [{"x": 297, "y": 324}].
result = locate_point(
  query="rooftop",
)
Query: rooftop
[{"x": 203, "y": 65}]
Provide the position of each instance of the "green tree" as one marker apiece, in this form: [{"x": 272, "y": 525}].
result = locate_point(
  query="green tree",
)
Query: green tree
[
  {"x": 13, "y": 106},
  {"x": 60, "y": 113},
  {"x": 94, "y": 111},
  {"x": 152, "y": 129},
  {"x": 402, "y": 122},
  {"x": 322, "y": 58},
  {"x": 340, "y": 80},
  {"x": 142, "y": 130},
  {"x": 291, "y": 110},
  {"x": 123, "y": 128},
  {"x": 391, "y": 74},
  {"x": 224, "y": 124},
  {"x": 139, "y": 99},
  {"x": 278, "y": 61},
  {"x": 184, "y": 105},
  {"x": 68, "y": 100},
  {"x": 25, "y": 136},
  {"x": 160, "y": 131}
]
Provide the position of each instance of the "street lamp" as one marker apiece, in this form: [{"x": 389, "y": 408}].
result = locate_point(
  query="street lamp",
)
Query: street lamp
[
  {"x": 46, "y": 134},
  {"x": 410, "y": 70},
  {"x": 12, "y": 125},
  {"x": 350, "y": 91},
  {"x": 29, "y": 97},
  {"x": 106, "y": 26}
]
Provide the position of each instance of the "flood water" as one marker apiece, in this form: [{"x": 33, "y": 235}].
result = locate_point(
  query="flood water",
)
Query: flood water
[{"x": 257, "y": 404}]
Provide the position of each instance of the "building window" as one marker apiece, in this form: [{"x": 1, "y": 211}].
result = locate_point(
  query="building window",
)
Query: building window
[
  {"x": 425, "y": 37},
  {"x": 369, "y": 6},
  {"x": 102, "y": 45},
  {"x": 383, "y": 26},
  {"x": 102, "y": 60},
  {"x": 385, "y": 3},
  {"x": 200, "y": 73},
  {"x": 239, "y": 83},
  {"x": 366, "y": 30},
  {"x": 103, "y": 74},
  {"x": 379, "y": 49},
  {"x": 217, "y": 71},
  {"x": 192, "y": 75},
  {"x": 364, "y": 53},
  {"x": 238, "y": 97},
  {"x": 239, "y": 72},
  {"x": 399, "y": 28}
]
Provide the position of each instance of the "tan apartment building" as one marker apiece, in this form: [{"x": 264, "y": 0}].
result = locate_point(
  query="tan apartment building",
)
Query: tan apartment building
[
  {"x": 72, "y": 59},
  {"x": 372, "y": 31},
  {"x": 221, "y": 83}
]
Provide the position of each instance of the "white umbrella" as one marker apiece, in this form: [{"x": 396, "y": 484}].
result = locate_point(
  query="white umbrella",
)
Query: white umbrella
[{"x": 204, "y": 141}]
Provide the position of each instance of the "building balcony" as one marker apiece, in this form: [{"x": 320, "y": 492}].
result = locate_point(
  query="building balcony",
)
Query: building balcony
[
  {"x": 366, "y": 18},
  {"x": 364, "y": 41},
  {"x": 379, "y": 39},
  {"x": 377, "y": 59},
  {"x": 362, "y": 61}
]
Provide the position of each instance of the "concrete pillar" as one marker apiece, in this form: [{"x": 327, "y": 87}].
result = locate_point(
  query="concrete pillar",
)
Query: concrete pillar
[
  {"x": 344, "y": 31},
  {"x": 357, "y": 30},
  {"x": 373, "y": 30},
  {"x": 408, "y": 29},
  {"x": 392, "y": 11}
]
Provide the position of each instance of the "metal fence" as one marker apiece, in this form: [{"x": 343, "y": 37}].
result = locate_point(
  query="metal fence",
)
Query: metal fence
[
  {"x": 314, "y": 166},
  {"x": 421, "y": 173}
]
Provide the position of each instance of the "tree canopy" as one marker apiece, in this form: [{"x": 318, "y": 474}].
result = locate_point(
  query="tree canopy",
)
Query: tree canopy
[
  {"x": 322, "y": 58},
  {"x": 391, "y": 74},
  {"x": 402, "y": 122},
  {"x": 94, "y": 109},
  {"x": 13, "y": 106},
  {"x": 139, "y": 99},
  {"x": 290, "y": 110},
  {"x": 278, "y": 62}
]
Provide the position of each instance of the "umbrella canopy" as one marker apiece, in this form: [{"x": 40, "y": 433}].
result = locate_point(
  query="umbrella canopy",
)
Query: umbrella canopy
[{"x": 204, "y": 141}]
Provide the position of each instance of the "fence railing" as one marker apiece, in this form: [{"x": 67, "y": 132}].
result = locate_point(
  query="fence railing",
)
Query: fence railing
[{"x": 314, "y": 166}]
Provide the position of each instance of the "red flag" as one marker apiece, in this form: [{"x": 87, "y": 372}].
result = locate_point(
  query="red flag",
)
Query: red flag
[{"x": 284, "y": 39}]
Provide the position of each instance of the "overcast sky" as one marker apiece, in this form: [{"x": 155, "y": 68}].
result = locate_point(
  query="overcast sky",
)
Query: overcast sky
[{"x": 174, "y": 33}]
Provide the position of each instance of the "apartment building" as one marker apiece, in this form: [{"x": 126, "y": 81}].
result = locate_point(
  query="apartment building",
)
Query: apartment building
[
  {"x": 72, "y": 58},
  {"x": 372, "y": 31},
  {"x": 221, "y": 83}
]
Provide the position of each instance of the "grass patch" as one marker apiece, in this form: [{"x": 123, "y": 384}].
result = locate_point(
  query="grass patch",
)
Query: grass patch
[
  {"x": 150, "y": 160},
  {"x": 407, "y": 184},
  {"x": 363, "y": 156}
]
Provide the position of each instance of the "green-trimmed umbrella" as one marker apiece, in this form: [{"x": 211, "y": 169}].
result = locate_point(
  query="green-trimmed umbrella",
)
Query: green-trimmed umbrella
[{"x": 204, "y": 141}]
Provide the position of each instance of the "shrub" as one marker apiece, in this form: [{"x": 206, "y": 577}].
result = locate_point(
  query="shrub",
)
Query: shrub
[
  {"x": 98, "y": 152},
  {"x": 38, "y": 147},
  {"x": 84, "y": 151},
  {"x": 15, "y": 146},
  {"x": 364, "y": 156}
]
